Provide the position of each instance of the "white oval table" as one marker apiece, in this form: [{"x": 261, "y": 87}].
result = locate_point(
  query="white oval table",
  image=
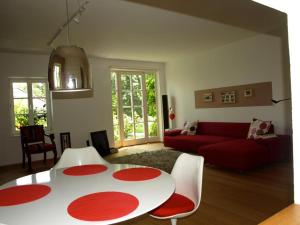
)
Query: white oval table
[{"x": 52, "y": 208}]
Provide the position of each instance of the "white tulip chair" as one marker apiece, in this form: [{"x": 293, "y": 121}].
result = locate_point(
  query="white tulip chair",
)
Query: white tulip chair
[
  {"x": 187, "y": 173},
  {"x": 79, "y": 156}
]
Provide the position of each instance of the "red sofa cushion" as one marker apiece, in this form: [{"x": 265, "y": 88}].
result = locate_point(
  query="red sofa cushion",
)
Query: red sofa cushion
[
  {"x": 240, "y": 154},
  {"x": 172, "y": 132},
  {"x": 235, "y": 130},
  {"x": 224, "y": 144},
  {"x": 176, "y": 204},
  {"x": 190, "y": 143}
]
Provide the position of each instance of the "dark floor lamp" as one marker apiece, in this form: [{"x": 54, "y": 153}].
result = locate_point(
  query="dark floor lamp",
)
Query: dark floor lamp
[{"x": 281, "y": 100}]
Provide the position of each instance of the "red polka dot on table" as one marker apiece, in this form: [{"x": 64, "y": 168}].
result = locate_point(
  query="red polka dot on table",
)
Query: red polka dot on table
[
  {"x": 137, "y": 174},
  {"x": 102, "y": 206},
  {"x": 23, "y": 194},
  {"x": 84, "y": 170}
]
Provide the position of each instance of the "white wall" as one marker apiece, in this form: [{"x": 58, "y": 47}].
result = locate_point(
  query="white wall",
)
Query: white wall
[
  {"x": 257, "y": 59},
  {"x": 78, "y": 116},
  {"x": 14, "y": 65}
]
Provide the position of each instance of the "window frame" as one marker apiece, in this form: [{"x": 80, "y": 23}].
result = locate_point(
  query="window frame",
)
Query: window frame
[
  {"x": 118, "y": 89},
  {"x": 30, "y": 98}
]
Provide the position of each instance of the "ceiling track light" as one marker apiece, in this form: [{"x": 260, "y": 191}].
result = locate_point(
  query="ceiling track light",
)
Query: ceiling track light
[{"x": 74, "y": 17}]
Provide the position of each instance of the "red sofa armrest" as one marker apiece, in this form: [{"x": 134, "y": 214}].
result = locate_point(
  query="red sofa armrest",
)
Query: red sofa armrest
[
  {"x": 280, "y": 147},
  {"x": 172, "y": 132}
]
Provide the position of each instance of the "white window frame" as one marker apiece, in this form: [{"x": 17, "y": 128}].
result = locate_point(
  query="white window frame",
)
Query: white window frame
[
  {"x": 147, "y": 139},
  {"x": 29, "y": 82}
]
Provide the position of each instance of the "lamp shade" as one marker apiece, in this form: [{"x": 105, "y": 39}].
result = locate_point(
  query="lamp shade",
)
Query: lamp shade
[{"x": 69, "y": 70}]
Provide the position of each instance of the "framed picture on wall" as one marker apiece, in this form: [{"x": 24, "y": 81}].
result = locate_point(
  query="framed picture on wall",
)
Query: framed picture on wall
[
  {"x": 228, "y": 97},
  {"x": 208, "y": 97},
  {"x": 65, "y": 140},
  {"x": 248, "y": 92}
]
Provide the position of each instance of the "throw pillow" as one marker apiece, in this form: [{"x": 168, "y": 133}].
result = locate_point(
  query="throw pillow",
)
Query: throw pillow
[
  {"x": 258, "y": 128},
  {"x": 189, "y": 128}
]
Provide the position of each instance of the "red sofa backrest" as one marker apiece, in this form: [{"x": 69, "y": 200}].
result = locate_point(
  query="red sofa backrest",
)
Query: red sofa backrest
[{"x": 228, "y": 129}]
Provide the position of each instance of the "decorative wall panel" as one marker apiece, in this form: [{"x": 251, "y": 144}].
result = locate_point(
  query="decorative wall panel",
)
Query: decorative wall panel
[{"x": 257, "y": 94}]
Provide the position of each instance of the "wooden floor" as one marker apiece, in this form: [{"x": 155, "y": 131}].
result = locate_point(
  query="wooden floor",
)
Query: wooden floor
[{"x": 228, "y": 198}]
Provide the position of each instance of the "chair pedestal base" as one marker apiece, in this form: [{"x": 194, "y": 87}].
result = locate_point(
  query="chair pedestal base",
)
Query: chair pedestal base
[{"x": 173, "y": 221}]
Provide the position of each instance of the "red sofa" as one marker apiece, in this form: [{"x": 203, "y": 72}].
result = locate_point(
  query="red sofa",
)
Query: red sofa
[{"x": 226, "y": 145}]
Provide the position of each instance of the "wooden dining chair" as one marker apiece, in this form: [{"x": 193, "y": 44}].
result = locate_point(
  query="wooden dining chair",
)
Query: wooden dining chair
[
  {"x": 187, "y": 173},
  {"x": 33, "y": 142},
  {"x": 79, "y": 156}
]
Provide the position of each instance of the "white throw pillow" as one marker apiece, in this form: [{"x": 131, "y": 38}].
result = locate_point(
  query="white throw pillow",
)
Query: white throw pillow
[
  {"x": 190, "y": 128},
  {"x": 258, "y": 128}
]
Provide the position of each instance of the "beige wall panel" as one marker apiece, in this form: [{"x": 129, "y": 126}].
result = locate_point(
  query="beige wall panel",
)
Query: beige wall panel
[{"x": 260, "y": 95}]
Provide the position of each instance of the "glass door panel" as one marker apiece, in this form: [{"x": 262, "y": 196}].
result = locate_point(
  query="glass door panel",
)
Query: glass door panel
[
  {"x": 139, "y": 122},
  {"x": 115, "y": 109},
  {"x": 151, "y": 105},
  {"x": 137, "y": 97},
  {"x": 130, "y": 105},
  {"x": 128, "y": 123},
  {"x": 139, "y": 130}
]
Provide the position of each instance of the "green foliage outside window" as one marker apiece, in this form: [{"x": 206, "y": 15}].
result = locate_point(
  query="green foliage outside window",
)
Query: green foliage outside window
[
  {"x": 22, "y": 118},
  {"x": 21, "y": 111},
  {"x": 115, "y": 107},
  {"x": 151, "y": 103}
]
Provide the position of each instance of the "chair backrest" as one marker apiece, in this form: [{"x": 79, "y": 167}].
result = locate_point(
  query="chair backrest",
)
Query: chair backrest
[
  {"x": 33, "y": 133},
  {"x": 79, "y": 156},
  {"x": 188, "y": 173},
  {"x": 100, "y": 142}
]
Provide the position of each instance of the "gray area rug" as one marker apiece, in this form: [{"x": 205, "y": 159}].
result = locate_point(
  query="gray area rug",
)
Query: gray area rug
[{"x": 161, "y": 159}]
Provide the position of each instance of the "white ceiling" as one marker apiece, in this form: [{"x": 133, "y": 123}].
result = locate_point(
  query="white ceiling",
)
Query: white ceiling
[{"x": 112, "y": 29}]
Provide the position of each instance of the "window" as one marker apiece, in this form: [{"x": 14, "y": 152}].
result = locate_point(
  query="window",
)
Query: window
[
  {"x": 134, "y": 107},
  {"x": 30, "y": 103}
]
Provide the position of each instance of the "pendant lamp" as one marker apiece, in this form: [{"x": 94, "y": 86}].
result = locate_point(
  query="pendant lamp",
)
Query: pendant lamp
[{"x": 68, "y": 68}]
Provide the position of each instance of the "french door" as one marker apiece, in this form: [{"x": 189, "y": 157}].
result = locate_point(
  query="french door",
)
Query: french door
[{"x": 134, "y": 107}]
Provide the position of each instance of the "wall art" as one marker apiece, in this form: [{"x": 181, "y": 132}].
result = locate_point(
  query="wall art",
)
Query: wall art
[
  {"x": 248, "y": 92},
  {"x": 208, "y": 97},
  {"x": 228, "y": 97}
]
